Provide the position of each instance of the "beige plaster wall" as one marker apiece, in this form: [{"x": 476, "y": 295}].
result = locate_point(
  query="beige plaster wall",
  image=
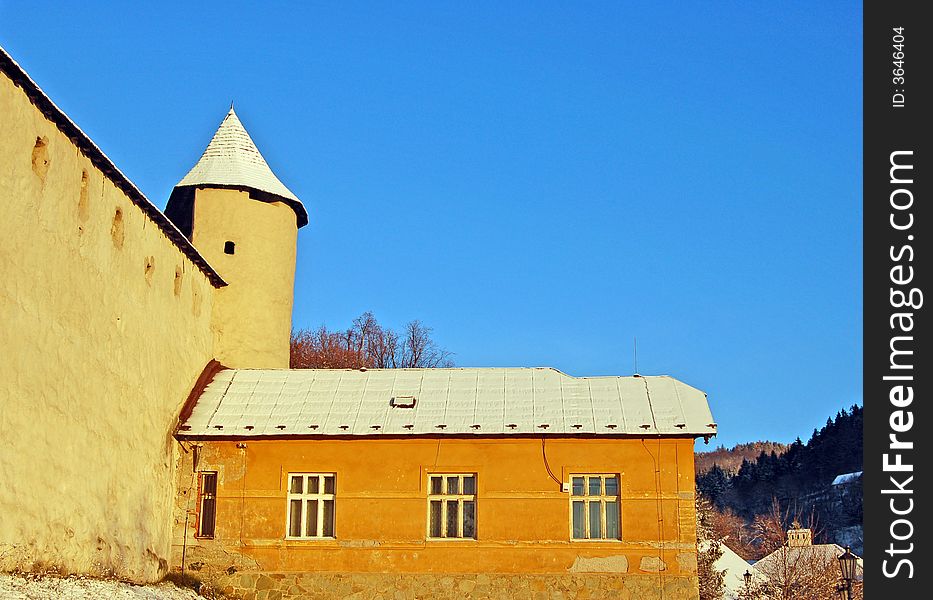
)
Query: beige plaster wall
[
  {"x": 105, "y": 328},
  {"x": 252, "y": 318}
]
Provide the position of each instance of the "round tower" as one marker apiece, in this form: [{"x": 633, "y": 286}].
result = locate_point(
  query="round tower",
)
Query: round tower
[{"x": 245, "y": 222}]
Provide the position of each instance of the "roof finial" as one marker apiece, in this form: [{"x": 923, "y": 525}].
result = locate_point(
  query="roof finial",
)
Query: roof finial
[{"x": 231, "y": 106}]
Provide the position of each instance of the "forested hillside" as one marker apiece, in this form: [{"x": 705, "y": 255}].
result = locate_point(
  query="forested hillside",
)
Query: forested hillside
[
  {"x": 799, "y": 480},
  {"x": 730, "y": 459}
]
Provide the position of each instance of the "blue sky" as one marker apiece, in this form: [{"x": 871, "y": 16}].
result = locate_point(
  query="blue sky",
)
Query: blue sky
[{"x": 539, "y": 182}]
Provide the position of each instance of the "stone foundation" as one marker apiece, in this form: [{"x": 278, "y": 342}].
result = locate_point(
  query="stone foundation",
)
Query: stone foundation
[{"x": 390, "y": 586}]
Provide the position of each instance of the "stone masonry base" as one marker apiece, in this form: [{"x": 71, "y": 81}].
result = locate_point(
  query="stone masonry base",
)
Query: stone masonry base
[{"x": 391, "y": 586}]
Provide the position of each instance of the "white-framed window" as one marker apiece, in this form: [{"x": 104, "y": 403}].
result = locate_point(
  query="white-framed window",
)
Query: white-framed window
[
  {"x": 452, "y": 506},
  {"x": 311, "y": 499},
  {"x": 594, "y": 507}
]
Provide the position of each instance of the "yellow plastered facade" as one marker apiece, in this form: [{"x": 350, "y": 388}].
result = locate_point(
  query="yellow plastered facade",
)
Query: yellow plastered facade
[
  {"x": 523, "y": 522},
  {"x": 106, "y": 325},
  {"x": 252, "y": 317}
]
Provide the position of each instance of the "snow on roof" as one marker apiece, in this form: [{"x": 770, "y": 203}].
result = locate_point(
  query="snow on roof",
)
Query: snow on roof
[
  {"x": 789, "y": 556},
  {"x": 733, "y": 568},
  {"x": 481, "y": 401},
  {"x": 232, "y": 159},
  {"x": 846, "y": 478}
]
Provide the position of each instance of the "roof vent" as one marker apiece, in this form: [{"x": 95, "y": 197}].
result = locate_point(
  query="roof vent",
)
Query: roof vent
[{"x": 403, "y": 402}]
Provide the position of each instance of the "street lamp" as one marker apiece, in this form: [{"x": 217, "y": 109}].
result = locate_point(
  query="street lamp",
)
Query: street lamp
[
  {"x": 847, "y": 563},
  {"x": 748, "y": 583}
]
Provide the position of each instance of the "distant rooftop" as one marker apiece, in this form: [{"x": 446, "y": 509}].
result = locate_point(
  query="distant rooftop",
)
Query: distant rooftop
[
  {"x": 233, "y": 160},
  {"x": 847, "y": 478},
  {"x": 481, "y": 401}
]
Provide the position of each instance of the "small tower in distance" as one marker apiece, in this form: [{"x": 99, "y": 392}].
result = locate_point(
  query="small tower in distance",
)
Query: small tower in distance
[{"x": 245, "y": 222}]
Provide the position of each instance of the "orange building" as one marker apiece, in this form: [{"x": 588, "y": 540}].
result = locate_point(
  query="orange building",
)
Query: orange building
[{"x": 519, "y": 480}]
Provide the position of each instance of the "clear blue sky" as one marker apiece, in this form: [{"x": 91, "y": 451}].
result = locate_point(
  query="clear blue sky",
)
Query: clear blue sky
[{"x": 539, "y": 182}]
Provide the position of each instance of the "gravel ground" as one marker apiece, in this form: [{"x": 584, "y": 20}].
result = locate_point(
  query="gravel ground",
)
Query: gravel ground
[{"x": 16, "y": 587}]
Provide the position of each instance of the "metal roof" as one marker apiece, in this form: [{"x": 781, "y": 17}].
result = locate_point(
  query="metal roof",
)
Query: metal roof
[
  {"x": 100, "y": 160},
  {"x": 481, "y": 401},
  {"x": 232, "y": 159}
]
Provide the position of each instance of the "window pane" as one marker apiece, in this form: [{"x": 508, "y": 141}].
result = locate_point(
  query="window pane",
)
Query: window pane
[
  {"x": 612, "y": 520},
  {"x": 577, "y": 486},
  {"x": 595, "y": 487},
  {"x": 294, "y": 519},
  {"x": 612, "y": 486},
  {"x": 453, "y": 485},
  {"x": 435, "y": 518},
  {"x": 595, "y": 525},
  {"x": 210, "y": 484},
  {"x": 312, "y": 518},
  {"x": 207, "y": 517},
  {"x": 579, "y": 527},
  {"x": 328, "y": 517},
  {"x": 437, "y": 485},
  {"x": 328, "y": 484},
  {"x": 296, "y": 485},
  {"x": 314, "y": 483},
  {"x": 452, "y": 518},
  {"x": 469, "y": 484},
  {"x": 469, "y": 518}
]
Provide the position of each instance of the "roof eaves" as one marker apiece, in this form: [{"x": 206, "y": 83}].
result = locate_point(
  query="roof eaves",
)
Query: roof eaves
[{"x": 100, "y": 160}]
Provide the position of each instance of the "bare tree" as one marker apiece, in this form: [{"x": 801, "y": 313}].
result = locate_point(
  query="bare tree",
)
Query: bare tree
[
  {"x": 802, "y": 573},
  {"x": 367, "y": 344},
  {"x": 709, "y": 550}
]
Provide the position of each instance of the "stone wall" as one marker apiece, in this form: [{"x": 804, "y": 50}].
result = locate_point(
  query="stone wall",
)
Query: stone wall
[
  {"x": 105, "y": 328},
  {"x": 388, "y": 586}
]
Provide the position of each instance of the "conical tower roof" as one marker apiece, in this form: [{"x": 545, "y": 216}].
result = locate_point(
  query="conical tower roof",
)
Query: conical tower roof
[{"x": 232, "y": 160}]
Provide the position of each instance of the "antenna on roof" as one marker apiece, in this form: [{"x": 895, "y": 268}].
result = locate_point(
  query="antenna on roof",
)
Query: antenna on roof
[{"x": 635, "y": 352}]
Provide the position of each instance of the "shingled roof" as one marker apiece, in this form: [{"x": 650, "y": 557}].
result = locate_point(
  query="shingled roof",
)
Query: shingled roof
[
  {"x": 483, "y": 401},
  {"x": 233, "y": 160}
]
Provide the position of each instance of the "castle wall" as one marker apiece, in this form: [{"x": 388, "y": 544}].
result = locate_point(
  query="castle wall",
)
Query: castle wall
[
  {"x": 104, "y": 328},
  {"x": 523, "y": 519}
]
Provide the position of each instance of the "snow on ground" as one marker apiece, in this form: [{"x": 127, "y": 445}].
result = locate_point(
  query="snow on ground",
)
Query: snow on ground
[{"x": 16, "y": 587}]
